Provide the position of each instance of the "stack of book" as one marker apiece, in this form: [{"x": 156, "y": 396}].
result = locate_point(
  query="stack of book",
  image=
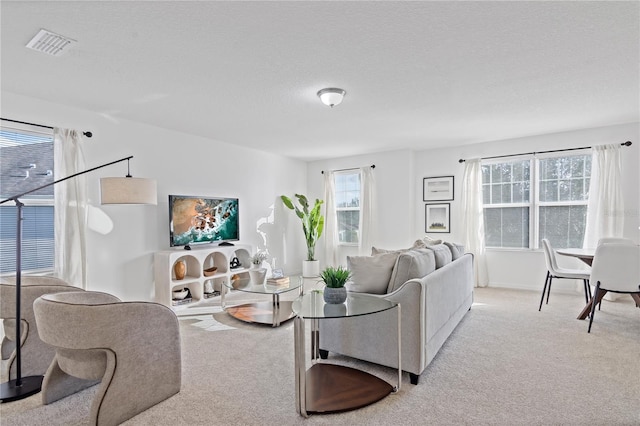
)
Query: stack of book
[
  {"x": 280, "y": 282},
  {"x": 178, "y": 302}
]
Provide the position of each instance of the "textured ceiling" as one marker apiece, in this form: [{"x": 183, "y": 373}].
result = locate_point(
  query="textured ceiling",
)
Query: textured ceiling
[{"x": 417, "y": 74}]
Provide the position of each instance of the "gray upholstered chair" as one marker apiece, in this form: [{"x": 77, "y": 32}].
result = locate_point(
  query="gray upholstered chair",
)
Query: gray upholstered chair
[
  {"x": 616, "y": 268},
  {"x": 554, "y": 271},
  {"x": 132, "y": 348},
  {"x": 35, "y": 355}
]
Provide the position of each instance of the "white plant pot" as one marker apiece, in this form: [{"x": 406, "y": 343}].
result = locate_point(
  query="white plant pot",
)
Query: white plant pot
[
  {"x": 257, "y": 275},
  {"x": 310, "y": 268}
]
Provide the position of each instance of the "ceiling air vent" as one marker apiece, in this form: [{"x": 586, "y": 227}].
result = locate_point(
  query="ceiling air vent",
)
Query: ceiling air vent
[{"x": 50, "y": 43}]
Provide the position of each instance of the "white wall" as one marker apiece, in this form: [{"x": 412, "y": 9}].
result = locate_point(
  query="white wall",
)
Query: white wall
[
  {"x": 121, "y": 262},
  {"x": 401, "y": 173},
  {"x": 394, "y": 186},
  {"x": 526, "y": 268}
]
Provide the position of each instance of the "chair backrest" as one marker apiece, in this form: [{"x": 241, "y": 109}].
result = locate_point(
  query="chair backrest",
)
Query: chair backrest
[
  {"x": 615, "y": 240},
  {"x": 549, "y": 256},
  {"x": 616, "y": 266}
]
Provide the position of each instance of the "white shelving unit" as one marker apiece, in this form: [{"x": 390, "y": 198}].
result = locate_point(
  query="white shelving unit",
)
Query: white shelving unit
[{"x": 197, "y": 260}]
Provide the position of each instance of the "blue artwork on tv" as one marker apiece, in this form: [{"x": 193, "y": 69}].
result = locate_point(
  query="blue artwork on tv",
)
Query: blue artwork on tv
[{"x": 195, "y": 220}]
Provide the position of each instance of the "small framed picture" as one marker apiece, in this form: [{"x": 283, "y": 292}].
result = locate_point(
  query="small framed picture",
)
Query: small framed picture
[
  {"x": 436, "y": 218},
  {"x": 438, "y": 188},
  {"x": 277, "y": 273}
]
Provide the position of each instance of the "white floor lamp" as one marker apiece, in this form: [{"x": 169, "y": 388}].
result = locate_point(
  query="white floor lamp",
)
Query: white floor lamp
[{"x": 126, "y": 190}]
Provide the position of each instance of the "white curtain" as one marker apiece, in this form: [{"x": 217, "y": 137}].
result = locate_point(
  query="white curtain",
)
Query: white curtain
[
  {"x": 330, "y": 221},
  {"x": 605, "y": 209},
  {"x": 473, "y": 219},
  {"x": 367, "y": 210},
  {"x": 70, "y": 208}
]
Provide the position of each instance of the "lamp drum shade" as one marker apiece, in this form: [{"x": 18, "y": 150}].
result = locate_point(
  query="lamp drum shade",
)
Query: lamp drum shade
[{"x": 128, "y": 190}]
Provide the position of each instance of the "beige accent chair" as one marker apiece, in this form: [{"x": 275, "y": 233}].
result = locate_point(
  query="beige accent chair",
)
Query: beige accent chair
[
  {"x": 35, "y": 355},
  {"x": 132, "y": 348}
]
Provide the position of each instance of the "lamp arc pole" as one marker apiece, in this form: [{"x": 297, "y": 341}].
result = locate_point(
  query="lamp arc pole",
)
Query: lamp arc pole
[{"x": 23, "y": 387}]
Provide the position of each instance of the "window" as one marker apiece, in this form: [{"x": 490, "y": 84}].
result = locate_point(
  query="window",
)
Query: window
[
  {"x": 26, "y": 162},
  {"x": 527, "y": 200},
  {"x": 347, "y": 196}
]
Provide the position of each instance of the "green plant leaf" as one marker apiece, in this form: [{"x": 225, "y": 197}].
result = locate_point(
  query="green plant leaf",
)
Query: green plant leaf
[
  {"x": 312, "y": 221},
  {"x": 287, "y": 201}
]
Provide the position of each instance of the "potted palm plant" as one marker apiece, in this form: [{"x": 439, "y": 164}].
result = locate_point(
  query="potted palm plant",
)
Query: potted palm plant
[
  {"x": 312, "y": 225},
  {"x": 334, "y": 280}
]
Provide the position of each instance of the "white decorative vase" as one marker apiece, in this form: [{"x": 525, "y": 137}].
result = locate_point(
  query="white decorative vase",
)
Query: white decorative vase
[
  {"x": 310, "y": 268},
  {"x": 258, "y": 275}
]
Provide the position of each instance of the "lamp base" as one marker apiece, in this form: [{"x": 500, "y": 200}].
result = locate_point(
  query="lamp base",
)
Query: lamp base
[{"x": 31, "y": 385}]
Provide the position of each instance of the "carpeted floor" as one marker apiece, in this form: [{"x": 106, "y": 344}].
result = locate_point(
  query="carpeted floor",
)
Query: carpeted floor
[{"x": 505, "y": 364}]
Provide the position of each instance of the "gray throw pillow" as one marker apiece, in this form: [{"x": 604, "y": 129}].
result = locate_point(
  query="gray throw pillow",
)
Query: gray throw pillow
[
  {"x": 442, "y": 254},
  {"x": 417, "y": 244},
  {"x": 370, "y": 274},
  {"x": 455, "y": 251},
  {"x": 411, "y": 264}
]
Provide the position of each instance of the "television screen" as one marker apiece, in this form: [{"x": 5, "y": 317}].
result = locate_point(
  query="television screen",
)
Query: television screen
[{"x": 196, "y": 220}]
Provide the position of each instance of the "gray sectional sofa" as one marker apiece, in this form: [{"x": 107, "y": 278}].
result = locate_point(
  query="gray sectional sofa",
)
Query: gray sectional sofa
[{"x": 434, "y": 286}]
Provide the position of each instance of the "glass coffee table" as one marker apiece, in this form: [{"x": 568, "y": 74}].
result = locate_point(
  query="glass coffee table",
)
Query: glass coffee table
[
  {"x": 330, "y": 388},
  {"x": 272, "y": 313}
]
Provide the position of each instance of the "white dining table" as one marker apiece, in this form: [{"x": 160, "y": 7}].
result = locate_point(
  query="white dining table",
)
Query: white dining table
[
  {"x": 584, "y": 254},
  {"x": 587, "y": 255}
]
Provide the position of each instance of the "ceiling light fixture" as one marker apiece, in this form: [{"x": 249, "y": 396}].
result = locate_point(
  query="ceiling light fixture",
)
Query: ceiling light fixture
[{"x": 331, "y": 96}]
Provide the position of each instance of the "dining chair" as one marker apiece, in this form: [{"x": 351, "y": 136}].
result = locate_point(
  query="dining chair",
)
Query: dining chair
[
  {"x": 615, "y": 269},
  {"x": 554, "y": 271},
  {"x": 615, "y": 240}
]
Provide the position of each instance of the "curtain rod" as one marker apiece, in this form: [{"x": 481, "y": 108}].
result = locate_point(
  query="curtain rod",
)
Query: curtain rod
[
  {"x": 87, "y": 134},
  {"x": 627, "y": 143},
  {"x": 373, "y": 166}
]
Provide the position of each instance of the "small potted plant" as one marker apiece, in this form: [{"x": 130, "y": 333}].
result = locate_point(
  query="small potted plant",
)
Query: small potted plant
[
  {"x": 258, "y": 258},
  {"x": 257, "y": 273},
  {"x": 334, "y": 280}
]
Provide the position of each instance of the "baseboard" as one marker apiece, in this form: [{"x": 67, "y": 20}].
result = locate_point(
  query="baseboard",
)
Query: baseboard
[{"x": 567, "y": 287}]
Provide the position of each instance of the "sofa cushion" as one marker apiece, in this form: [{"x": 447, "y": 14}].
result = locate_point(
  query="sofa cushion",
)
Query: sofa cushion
[
  {"x": 411, "y": 264},
  {"x": 442, "y": 254},
  {"x": 376, "y": 250},
  {"x": 428, "y": 241},
  {"x": 370, "y": 274},
  {"x": 457, "y": 250}
]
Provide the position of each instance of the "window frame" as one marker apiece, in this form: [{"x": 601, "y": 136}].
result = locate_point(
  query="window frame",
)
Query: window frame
[
  {"x": 32, "y": 200},
  {"x": 340, "y": 209},
  {"x": 534, "y": 204}
]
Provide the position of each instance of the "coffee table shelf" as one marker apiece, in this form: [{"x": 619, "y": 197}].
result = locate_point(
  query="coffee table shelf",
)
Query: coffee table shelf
[
  {"x": 271, "y": 313},
  {"x": 330, "y": 388}
]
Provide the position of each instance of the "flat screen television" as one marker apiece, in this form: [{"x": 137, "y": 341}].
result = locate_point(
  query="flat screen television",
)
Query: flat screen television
[{"x": 196, "y": 220}]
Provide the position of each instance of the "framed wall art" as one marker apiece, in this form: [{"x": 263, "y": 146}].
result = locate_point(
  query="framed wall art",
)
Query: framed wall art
[
  {"x": 436, "y": 218},
  {"x": 438, "y": 188}
]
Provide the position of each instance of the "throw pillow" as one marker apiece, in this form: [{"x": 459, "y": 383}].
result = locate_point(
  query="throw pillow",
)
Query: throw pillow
[
  {"x": 411, "y": 264},
  {"x": 417, "y": 244},
  {"x": 442, "y": 255},
  {"x": 376, "y": 251},
  {"x": 370, "y": 274},
  {"x": 426, "y": 242},
  {"x": 455, "y": 251}
]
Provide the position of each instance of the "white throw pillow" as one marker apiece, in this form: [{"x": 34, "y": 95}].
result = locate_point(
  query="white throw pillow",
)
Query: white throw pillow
[{"x": 371, "y": 274}]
